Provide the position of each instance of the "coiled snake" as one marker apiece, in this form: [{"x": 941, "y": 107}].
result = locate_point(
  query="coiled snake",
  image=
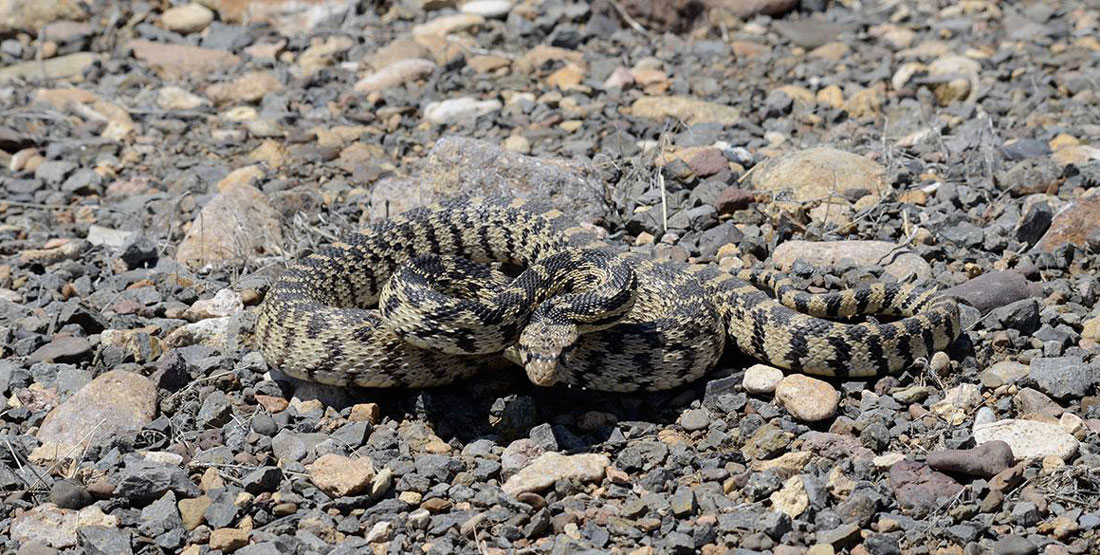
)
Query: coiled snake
[{"x": 581, "y": 313}]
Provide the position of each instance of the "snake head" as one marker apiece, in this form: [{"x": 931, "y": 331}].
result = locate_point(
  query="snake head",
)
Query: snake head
[{"x": 543, "y": 345}]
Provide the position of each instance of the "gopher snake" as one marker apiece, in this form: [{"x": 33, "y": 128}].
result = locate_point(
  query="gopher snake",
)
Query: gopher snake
[{"x": 566, "y": 318}]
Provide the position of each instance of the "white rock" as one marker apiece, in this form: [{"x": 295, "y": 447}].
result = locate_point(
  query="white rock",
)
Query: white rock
[
  {"x": 382, "y": 531},
  {"x": 175, "y": 98},
  {"x": 1029, "y": 438},
  {"x": 448, "y": 24},
  {"x": 553, "y": 466},
  {"x": 190, "y": 18},
  {"x": 210, "y": 332},
  {"x": 226, "y": 302},
  {"x": 761, "y": 378},
  {"x": 395, "y": 74},
  {"x": 487, "y": 8},
  {"x": 455, "y": 109},
  {"x": 105, "y": 236}
]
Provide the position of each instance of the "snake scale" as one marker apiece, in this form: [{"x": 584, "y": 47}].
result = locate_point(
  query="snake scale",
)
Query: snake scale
[{"x": 412, "y": 302}]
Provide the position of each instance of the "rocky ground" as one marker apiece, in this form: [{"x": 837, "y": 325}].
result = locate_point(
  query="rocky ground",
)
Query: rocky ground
[{"x": 163, "y": 162}]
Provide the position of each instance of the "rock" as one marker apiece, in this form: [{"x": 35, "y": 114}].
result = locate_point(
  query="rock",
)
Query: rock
[
  {"x": 91, "y": 107},
  {"x": 792, "y": 499},
  {"x": 249, "y": 87},
  {"x": 192, "y": 511},
  {"x": 143, "y": 481},
  {"x": 228, "y": 540},
  {"x": 211, "y": 332},
  {"x": 68, "y": 494},
  {"x": 101, "y": 540},
  {"x": 466, "y": 108},
  {"x": 61, "y": 67},
  {"x": 487, "y": 8},
  {"x": 807, "y": 399},
  {"x": 1003, "y": 372},
  {"x": 1064, "y": 377},
  {"x": 49, "y": 525},
  {"x": 898, "y": 262},
  {"x": 695, "y": 420},
  {"x": 447, "y": 24},
  {"x": 188, "y": 18},
  {"x": 551, "y": 467},
  {"x": 689, "y": 109},
  {"x": 818, "y": 173},
  {"x": 1029, "y": 438},
  {"x": 62, "y": 348},
  {"x": 115, "y": 403},
  {"x": 955, "y": 78},
  {"x": 984, "y": 461},
  {"x": 1076, "y": 224},
  {"x": 761, "y": 378},
  {"x": 467, "y": 166},
  {"x": 226, "y": 302},
  {"x": 235, "y": 225},
  {"x": 176, "y": 61},
  {"x": 289, "y": 17},
  {"x": 339, "y": 476},
  {"x": 1014, "y": 545},
  {"x": 957, "y": 403},
  {"x": 992, "y": 289},
  {"x": 395, "y": 74},
  {"x": 919, "y": 489},
  {"x": 29, "y": 16}
]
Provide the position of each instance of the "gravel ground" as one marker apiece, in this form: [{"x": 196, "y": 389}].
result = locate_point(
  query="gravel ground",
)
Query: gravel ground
[{"x": 163, "y": 162}]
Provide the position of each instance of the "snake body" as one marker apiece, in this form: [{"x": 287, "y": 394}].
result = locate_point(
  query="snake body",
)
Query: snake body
[{"x": 583, "y": 312}]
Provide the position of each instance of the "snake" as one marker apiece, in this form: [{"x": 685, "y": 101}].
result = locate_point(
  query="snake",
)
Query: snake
[{"x": 439, "y": 293}]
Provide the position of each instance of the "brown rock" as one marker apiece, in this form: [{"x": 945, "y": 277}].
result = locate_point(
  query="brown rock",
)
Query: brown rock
[
  {"x": 339, "y": 476},
  {"x": 395, "y": 74},
  {"x": 707, "y": 162},
  {"x": 898, "y": 262},
  {"x": 228, "y": 540},
  {"x": 816, "y": 173},
  {"x": 89, "y": 105},
  {"x": 115, "y": 403},
  {"x": 919, "y": 489},
  {"x": 29, "y": 16},
  {"x": 1078, "y": 224},
  {"x": 250, "y": 87},
  {"x": 174, "y": 61},
  {"x": 289, "y": 17},
  {"x": 807, "y": 399},
  {"x": 62, "y": 67},
  {"x": 460, "y": 165},
  {"x": 985, "y": 460},
  {"x": 732, "y": 199},
  {"x": 688, "y": 109},
  {"x": 396, "y": 51},
  {"x": 192, "y": 511},
  {"x": 237, "y": 224}
]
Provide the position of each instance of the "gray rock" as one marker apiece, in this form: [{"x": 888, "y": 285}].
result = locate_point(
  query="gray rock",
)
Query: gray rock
[
  {"x": 54, "y": 172},
  {"x": 695, "y": 419},
  {"x": 160, "y": 517},
  {"x": 985, "y": 460},
  {"x": 262, "y": 479},
  {"x": 143, "y": 481},
  {"x": 1014, "y": 545},
  {"x": 1064, "y": 377},
  {"x": 68, "y": 494},
  {"x": 101, "y": 540},
  {"x": 1022, "y": 316}
]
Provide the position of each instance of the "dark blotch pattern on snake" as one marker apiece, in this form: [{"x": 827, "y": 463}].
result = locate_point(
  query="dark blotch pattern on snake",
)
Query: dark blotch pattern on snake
[{"x": 584, "y": 313}]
